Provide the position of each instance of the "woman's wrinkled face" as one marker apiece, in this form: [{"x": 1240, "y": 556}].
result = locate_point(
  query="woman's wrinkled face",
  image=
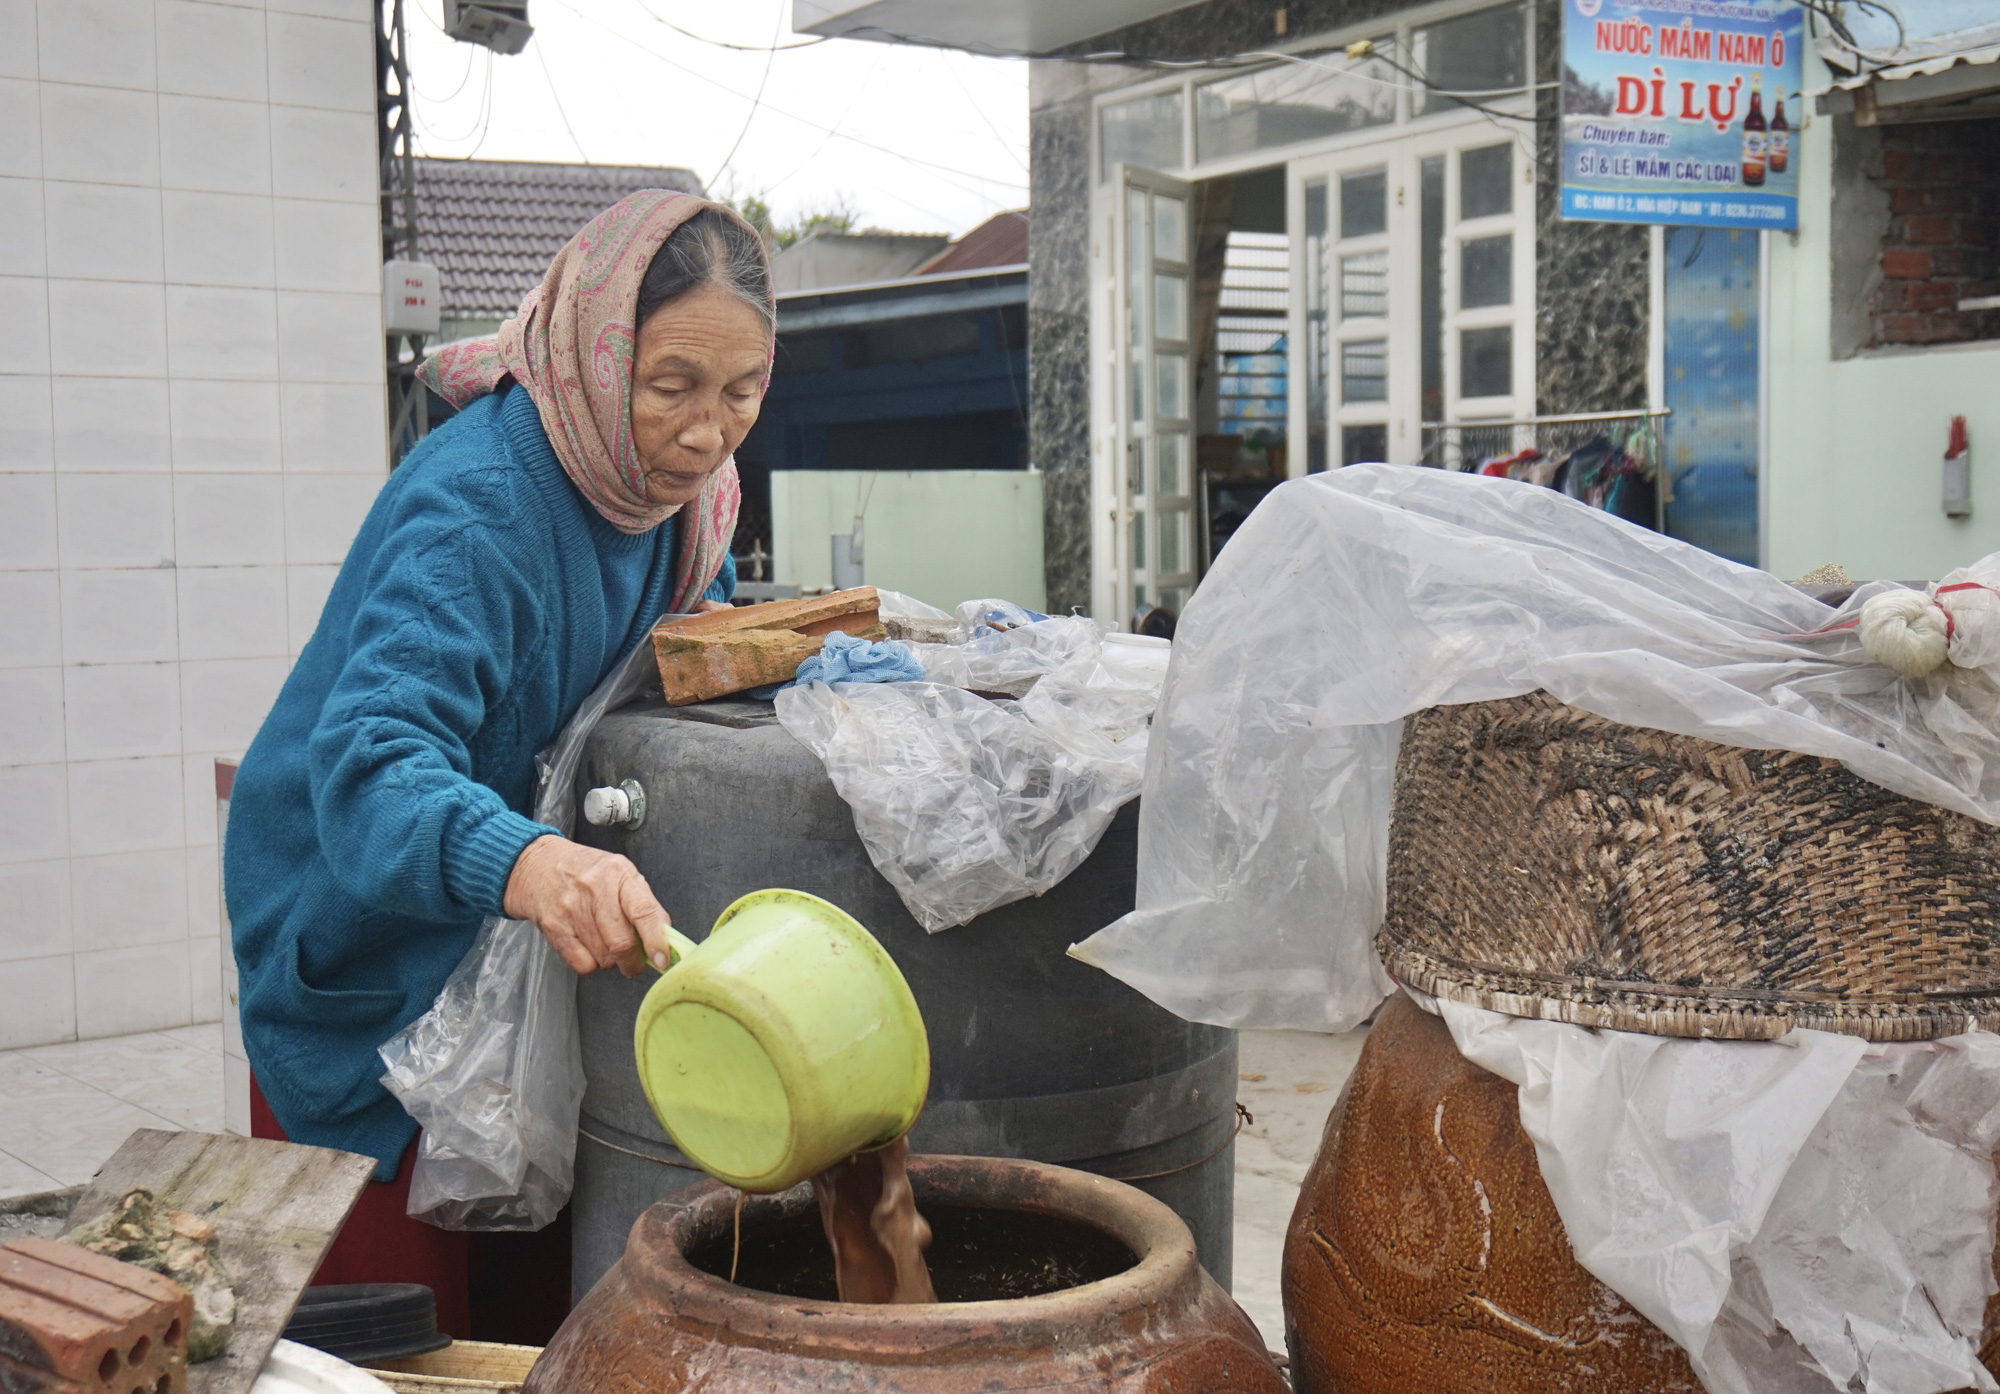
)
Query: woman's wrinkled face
[{"x": 697, "y": 382}]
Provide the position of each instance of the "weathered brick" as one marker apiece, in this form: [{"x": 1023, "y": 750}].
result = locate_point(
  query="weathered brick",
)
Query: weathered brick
[
  {"x": 1929, "y": 295},
  {"x": 1929, "y": 228},
  {"x": 726, "y": 651},
  {"x": 1903, "y": 265},
  {"x": 804, "y": 615},
  {"x": 1943, "y": 238},
  {"x": 75, "y": 1322},
  {"x": 698, "y": 667}
]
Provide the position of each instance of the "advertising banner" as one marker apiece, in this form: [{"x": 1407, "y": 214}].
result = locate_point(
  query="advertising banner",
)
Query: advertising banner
[{"x": 1682, "y": 111}]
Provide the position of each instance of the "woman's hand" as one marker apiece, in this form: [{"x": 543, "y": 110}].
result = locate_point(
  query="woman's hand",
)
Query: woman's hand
[
  {"x": 702, "y": 607},
  {"x": 593, "y": 907}
]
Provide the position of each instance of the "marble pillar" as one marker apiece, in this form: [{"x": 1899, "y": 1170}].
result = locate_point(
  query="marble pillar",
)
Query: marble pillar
[
  {"x": 1059, "y": 329},
  {"x": 1592, "y": 314}
]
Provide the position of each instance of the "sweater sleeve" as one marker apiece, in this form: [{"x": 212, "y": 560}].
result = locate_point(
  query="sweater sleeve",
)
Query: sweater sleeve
[
  {"x": 723, "y": 587},
  {"x": 433, "y": 647}
]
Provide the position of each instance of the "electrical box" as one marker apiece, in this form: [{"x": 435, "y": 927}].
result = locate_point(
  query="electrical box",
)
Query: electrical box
[
  {"x": 501, "y": 25},
  {"x": 410, "y": 297}
]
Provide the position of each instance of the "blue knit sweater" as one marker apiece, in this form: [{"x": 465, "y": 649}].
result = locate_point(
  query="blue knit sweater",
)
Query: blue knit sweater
[{"x": 377, "y": 815}]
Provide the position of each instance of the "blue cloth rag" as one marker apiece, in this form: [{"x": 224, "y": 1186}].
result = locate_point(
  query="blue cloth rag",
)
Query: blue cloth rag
[{"x": 847, "y": 659}]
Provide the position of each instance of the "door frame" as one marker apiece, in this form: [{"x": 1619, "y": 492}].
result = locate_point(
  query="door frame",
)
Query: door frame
[
  {"x": 1128, "y": 500},
  {"x": 1402, "y": 157}
]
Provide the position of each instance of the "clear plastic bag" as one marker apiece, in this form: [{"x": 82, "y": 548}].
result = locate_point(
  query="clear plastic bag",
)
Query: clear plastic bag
[
  {"x": 1349, "y": 600},
  {"x": 966, "y": 803},
  {"x": 494, "y": 1070}
]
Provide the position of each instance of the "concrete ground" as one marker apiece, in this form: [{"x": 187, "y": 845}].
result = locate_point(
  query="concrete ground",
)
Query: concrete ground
[
  {"x": 1288, "y": 1080},
  {"x": 65, "y": 1108}
]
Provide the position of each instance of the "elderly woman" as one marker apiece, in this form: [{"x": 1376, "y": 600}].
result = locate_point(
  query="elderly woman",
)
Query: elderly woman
[{"x": 584, "y": 488}]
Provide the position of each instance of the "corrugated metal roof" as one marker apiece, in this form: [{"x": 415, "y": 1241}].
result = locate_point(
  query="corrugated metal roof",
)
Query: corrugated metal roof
[
  {"x": 491, "y": 226},
  {"x": 1002, "y": 240},
  {"x": 1926, "y": 67}
]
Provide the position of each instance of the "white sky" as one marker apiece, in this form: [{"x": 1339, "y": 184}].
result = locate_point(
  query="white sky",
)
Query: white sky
[{"x": 917, "y": 139}]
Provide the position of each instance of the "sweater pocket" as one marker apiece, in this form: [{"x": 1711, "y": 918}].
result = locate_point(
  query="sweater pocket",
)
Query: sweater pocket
[{"x": 349, "y": 1006}]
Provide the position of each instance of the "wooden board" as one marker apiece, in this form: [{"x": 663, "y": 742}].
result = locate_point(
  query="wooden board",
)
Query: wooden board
[{"x": 276, "y": 1207}]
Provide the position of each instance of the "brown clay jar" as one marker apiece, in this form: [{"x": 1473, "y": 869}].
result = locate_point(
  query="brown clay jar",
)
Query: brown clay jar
[
  {"x": 1425, "y": 1253},
  {"x": 1089, "y": 1285}
]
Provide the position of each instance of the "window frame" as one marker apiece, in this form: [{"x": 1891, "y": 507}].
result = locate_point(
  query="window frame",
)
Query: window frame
[{"x": 1401, "y": 23}]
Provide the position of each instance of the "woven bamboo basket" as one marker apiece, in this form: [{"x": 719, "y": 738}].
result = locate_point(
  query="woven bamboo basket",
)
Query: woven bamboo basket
[
  {"x": 463, "y": 1367},
  {"x": 1548, "y": 863}
]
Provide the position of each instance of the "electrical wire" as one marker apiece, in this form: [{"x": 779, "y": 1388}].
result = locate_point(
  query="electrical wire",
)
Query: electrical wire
[
  {"x": 549, "y": 78},
  {"x": 874, "y": 62},
  {"x": 485, "y": 109},
  {"x": 464, "y": 78},
  {"x": 1365, "y": 50},
  {"x": 1829, "y": 10},
  {"x": 947, "y": 170},
  {"x": 770, "y": 57},
  {"x": 481, "y": 115},
  {"x": 973, "y": 101},
  {"x": 1248, "y": 58},
  {"x": 775, "y": 47}
]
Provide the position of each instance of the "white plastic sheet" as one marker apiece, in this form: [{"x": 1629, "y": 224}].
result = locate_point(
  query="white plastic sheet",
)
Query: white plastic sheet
[
  {"x": 1801, "y": 1215},
  {"x": 968, "y": 802},
  {"x": 1349, "y": 600},
  {"x": 494, "y": 1070}
]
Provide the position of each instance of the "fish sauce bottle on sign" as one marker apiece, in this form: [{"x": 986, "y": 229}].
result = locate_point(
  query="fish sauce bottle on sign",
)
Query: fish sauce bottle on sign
[
  {"x": 1755, "y": 135},
  {"x": 1778, "y": 145}
]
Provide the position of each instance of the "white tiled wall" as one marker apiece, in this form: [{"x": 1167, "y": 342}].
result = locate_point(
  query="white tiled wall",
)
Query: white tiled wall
[{"x": 192, "y": 419}]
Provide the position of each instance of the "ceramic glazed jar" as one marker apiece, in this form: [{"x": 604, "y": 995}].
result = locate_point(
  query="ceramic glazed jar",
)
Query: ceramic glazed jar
[
  {"x": 1089, "y": 1283},
  {"x": 1425, "y": 1253}
]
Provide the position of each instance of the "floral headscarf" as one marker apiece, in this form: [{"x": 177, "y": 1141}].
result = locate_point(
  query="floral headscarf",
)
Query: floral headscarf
[{"x": 572, "y": 347}]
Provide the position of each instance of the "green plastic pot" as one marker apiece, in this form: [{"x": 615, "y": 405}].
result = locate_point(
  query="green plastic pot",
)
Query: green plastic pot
[{"x": 783, "y": 1043}]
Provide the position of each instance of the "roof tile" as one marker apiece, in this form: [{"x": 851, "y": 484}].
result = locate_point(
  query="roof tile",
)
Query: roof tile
[{"x": 492, "y": 226}]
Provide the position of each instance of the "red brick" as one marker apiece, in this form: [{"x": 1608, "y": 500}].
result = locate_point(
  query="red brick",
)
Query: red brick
[
  {"x": 726, "y": 651},
  {"x": 801, "y": 615},
  {"x": 1923, "y": 329},
  {"x": 1929, "y": 228},
  {"x": 1902, "y": 265},
  {"x": 74, "y": 1322},
  {"x": 1950, "y": 167},
  {"x": 1899, "y": 329},
  {"x": 1930, "y": 295},
  {"x": 1901, "y": 165},
  {"x": 699, "y": 667},
  {"x": 1943, "y": 198},
  {"x": 1949, "y": 262}
]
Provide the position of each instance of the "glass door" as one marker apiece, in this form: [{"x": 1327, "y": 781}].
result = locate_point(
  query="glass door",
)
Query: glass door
[
  {"x": 1416, "y": 264},
  {"x": 1153, "y": 536},
  {"x": 1355, "y": 318}
]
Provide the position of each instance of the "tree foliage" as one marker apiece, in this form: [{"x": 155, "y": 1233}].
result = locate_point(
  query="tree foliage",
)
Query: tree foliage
[{"x": 836, "y": 214}]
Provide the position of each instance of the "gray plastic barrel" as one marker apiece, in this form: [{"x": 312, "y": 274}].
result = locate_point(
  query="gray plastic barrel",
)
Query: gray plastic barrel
[{"x": 1033, "y": 1054}]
